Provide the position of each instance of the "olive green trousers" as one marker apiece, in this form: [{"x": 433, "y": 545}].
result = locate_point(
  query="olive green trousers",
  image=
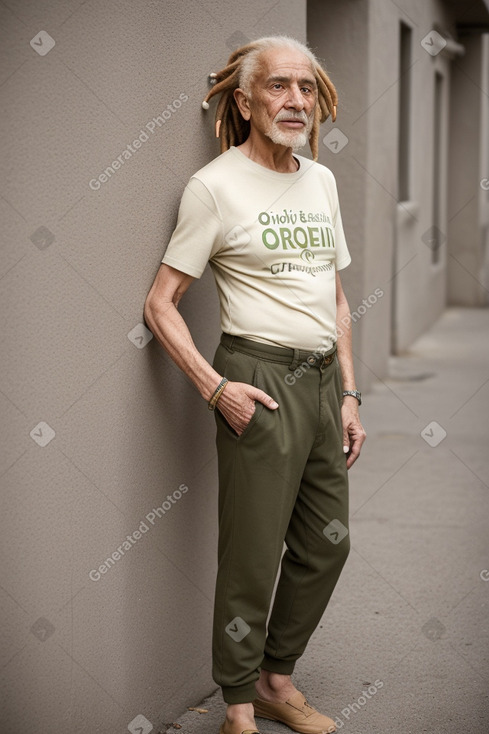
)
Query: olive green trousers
[{"x": 283, "y": 480}]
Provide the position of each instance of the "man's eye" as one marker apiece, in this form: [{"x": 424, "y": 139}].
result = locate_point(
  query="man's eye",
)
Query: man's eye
[{"x": 277, "y": 86}]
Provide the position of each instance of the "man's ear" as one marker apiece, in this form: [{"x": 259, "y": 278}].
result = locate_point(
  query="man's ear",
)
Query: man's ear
[{"x": 242, "y": 102}]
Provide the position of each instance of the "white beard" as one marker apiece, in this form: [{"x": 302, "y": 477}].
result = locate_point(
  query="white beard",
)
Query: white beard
[{"x": 292, "y": 139}]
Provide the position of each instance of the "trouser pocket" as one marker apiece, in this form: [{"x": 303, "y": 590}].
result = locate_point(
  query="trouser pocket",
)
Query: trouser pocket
[{"x": 239, "y": 367}]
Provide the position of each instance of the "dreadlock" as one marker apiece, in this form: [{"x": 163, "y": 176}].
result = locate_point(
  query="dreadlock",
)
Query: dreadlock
[{"x": 231, "y": 127}]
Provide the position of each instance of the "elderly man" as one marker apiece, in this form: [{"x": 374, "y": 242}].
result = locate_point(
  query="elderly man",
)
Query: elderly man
[{"x": 281, "y": 384}]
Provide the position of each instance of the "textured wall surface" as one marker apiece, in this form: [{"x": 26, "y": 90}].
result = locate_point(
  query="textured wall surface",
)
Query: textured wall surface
[{"x": 102, "y": 434}]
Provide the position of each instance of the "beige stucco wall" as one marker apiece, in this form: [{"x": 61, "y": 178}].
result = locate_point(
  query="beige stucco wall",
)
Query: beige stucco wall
[
  {"x": 360, "y": 44},
  {"x": 127, "y": 430},
  {"x": 468, "y": 261}
]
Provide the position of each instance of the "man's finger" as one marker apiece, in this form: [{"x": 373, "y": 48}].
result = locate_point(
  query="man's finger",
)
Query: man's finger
[
  {"x": 355, "y": 452},
  {"x": 262, "y": 397},
  {"x": 352, "y": 458}
]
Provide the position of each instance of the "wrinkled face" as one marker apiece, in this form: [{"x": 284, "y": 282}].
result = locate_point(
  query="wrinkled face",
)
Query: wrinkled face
[{"x": 284, "y": 97}]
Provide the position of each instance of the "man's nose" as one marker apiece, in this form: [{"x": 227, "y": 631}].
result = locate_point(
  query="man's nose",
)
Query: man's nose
[{"x": 295, "y": 98}]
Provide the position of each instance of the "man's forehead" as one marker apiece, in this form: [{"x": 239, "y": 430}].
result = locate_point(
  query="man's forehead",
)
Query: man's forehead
[{"x": 285, "y": 62}]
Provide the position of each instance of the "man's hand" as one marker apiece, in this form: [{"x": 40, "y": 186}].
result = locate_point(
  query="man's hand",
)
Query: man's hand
[
  {"x": 353, "y": 432},
  {"x": 237, "y": 404}
]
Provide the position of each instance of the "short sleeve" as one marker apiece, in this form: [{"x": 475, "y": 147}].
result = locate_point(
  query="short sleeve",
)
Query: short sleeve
[{"x": 199, "y": 232}]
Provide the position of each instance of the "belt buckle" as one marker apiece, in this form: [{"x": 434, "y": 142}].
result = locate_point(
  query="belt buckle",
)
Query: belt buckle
[{"x": 326, "y": 360}]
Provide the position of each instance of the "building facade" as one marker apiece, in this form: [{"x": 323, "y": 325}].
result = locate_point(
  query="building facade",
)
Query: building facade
[{"x": 410, "y": 153}]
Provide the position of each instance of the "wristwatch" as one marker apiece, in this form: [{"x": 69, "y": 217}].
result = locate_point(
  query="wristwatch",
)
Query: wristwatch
[{"x": 355, "y": 394}]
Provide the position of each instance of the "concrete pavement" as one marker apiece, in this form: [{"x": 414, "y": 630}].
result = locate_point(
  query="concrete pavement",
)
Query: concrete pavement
[{"x": 403, "y": 646}]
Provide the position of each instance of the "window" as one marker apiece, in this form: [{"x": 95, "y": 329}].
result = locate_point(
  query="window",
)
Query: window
[
  {"x": 404, "y": 148},
  {"x": 437, "y": 172}
]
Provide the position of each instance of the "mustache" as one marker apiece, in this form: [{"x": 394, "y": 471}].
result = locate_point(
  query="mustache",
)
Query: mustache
[{"x": 284, "y": 115}]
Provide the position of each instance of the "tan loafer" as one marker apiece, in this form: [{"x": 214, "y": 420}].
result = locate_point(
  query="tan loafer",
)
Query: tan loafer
[
  {"x": 237, "y": 730},
  {"x": 295, "y": 713}
]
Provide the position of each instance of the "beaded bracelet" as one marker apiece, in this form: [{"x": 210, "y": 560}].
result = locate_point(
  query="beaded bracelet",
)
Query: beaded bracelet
[{"x": 219, "y": 389}]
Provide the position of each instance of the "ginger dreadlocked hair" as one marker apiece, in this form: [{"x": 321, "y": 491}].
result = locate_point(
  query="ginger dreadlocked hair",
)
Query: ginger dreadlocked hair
[{"x": 231, "y": 127}]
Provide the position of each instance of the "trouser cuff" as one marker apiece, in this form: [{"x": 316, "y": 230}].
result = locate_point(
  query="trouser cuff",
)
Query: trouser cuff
[
  {"x": 239, "y": 694},
  {"x": 273, "y": 665}
]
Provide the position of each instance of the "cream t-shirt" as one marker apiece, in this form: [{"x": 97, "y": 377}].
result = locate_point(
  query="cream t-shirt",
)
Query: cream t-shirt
[{"x": 273, "y": 241}]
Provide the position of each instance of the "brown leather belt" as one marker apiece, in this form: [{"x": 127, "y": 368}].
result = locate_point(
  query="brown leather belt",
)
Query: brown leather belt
[{"x": 270, "y": 353}]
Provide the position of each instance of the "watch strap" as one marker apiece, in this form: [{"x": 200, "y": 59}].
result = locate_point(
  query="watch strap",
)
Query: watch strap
[{"x": 355, "y": 394}]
